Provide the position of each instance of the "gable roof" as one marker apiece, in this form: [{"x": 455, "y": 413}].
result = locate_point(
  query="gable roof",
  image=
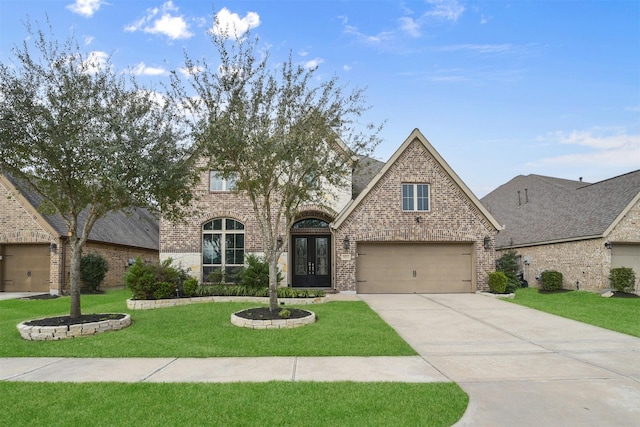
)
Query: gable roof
[
  {"x": 135, "y": 228},
  {"x": 538, "y": 209},
  {"x": 415, "y": 135}
]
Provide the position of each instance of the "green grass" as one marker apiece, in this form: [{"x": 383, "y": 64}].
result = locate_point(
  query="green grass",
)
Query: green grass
[
  {"x": 237, "y": 404},
  {"x": 202, "y": 330},
  {"x": 616, "y": 314}
]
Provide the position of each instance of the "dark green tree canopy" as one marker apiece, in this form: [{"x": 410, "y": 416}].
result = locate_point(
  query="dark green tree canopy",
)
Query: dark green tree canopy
[{"x": 87, "y": 138}]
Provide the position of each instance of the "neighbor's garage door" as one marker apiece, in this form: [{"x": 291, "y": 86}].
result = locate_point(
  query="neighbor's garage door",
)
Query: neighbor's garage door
[
  {"x": 25, "y": 268},
  {"x": 626, "y": 256},
  {"x": 414, "y": 268}
]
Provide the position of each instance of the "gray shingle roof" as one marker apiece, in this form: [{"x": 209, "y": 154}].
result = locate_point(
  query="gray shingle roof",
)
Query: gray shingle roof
[
  {"x": 136, "y": 228},
  {"x": 551, "y": 209},
  {"x": 366, "y": 168}
]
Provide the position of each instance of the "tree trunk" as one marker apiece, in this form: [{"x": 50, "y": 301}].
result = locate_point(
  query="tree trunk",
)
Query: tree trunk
[
  {"x": 74, "y": 276},
  {"x": 273, "y": 280}
]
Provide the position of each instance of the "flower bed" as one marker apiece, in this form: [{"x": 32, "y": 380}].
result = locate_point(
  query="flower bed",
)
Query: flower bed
[
  {"x": 52, "y": 333},
  {"x": 133, "y": 304}
]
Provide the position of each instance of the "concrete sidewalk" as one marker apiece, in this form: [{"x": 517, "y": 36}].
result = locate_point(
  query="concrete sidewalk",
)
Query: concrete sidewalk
[
  {"x": 220, "y": 369},
  {"x": 521, "y": 367}
]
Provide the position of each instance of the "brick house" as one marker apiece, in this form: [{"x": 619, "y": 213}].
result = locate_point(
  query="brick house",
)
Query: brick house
[
  {"x": 34, "y": 251},
  {"x": 408, "y": 225},
  {"x": 579, "y": 229}
]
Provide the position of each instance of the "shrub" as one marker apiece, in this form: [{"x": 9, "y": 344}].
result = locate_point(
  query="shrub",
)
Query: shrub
[
  {"x": 508, "y": 264},
  {"x": 256, "y": 273},
  {"x": 190, "y": 287},
  {"x": 284, "y": 313},
  {"x": 149, "y": 281},
  {"x": 140, "y": 278},
  {"x": 93, "y": 268},
  {"x": 551, "y": 280},
  {"x": 498, "y": 282},
  {"x": 622, "y": 279},
  {"x": 164, "y": 290}
]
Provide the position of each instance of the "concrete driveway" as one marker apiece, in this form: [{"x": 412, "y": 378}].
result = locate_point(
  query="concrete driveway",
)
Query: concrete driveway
[{"x": 520, "y": 367}]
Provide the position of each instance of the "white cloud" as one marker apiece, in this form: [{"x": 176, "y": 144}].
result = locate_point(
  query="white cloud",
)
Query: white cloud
[
  {"x": 231, "y": 25},
  {"x": 410, "y": 26},
  {"x": 373, "y": 39},
  {"x": 188, "y": 72},
  {"x": 313, "y": 63},
  {"x": 142, "y": 70},
  {"x": 85, "y": 8},
  {"x": 164, "y": 21},
  {"x": 346, "y": 67},
  {"x": 88, "y": 40},
  {"x": 619, "y": 150},
  {"x": 449, "y": 10},
  {"x": 96, "y": 61},
  {"x": 480, "y": 48}
]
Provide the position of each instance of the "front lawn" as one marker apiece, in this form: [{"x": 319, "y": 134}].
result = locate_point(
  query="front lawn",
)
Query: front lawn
[
  {"x": 239, "y": 404},
  {"x": 202, "y": 330},
  {"x": 616, "y": 314}
]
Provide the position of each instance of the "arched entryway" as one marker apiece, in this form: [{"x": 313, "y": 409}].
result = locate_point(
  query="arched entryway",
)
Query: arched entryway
[{"x": 311, "y": 253}]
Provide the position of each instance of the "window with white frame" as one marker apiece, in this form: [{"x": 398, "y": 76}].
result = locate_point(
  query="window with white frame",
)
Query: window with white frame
[
  {"x": 222, "y": 249},
  {"x": 415, "y": 197},
  {"x": 218, "y": 183}
]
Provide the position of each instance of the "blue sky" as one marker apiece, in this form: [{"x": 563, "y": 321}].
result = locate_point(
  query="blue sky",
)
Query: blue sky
[{"x": 500, "y": 88}]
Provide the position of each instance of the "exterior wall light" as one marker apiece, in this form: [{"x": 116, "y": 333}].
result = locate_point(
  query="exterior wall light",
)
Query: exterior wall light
[
  {"x": 53, "y": 247},
  {"x": 607, "y": 245},
  {"x": 346, "y": 244},
  {"x": 279, "y": 241},
  {"x": 487, "y": 242}
]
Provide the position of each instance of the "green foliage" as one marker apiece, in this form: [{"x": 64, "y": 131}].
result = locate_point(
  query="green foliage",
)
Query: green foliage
[
  {"x": 498, "y": 282},
  {"x": 508, "y": 264},
  {"x": 622, "y": 279},
  {"x": 89, "y": 139},
  {"x": 284, "y": 313},
  {"x": 93, "y": 268},
  {"x": 190, "y": 287},
  {"x": 151, "y": 281},
  {"x": 256, "y": 273},
  {"x": 164, "y": 290},
  {"x": 551, "y": 280},
  {"x": 140, "y": 278},
  {"x": 252, "y": 291}
]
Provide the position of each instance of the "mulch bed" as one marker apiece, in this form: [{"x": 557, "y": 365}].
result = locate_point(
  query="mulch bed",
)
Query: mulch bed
[
  {"x": 263, "y": 313},
  {"x": 42, "y": 296},
  {"x": 67, "y": 320},
  {"x": 624, "y": 295}
]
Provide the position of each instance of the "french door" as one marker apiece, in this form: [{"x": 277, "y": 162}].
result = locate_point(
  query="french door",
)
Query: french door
[{"x": 311, "y": 261}]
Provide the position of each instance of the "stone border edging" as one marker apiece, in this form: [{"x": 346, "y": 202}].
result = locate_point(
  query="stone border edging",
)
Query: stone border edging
[
  {"x": 492, "y": 295},
  {"x": 273, "y": 324},
  {"x": 141, "y": 304},
  {"x": 53, "y": 333}
]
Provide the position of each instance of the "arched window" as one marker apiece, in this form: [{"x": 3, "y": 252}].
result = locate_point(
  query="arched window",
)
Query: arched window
[{"x": 222, "y": 249}]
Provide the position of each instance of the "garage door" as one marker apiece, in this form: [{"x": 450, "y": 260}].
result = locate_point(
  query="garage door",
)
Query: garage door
[
  {"x": 626, "y": 255},
  {"x": 414, "y": 268},
  {"x": 25, "y": 268}
]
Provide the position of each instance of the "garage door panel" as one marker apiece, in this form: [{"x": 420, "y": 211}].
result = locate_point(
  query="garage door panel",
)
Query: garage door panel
[
  {"x": 626, "y": 255},
  {"x": 26, "y": 268},
  {"x": 414, "y": 268}
]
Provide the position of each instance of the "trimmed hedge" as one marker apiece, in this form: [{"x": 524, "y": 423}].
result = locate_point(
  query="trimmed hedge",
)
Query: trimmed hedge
[
  {"x": 551, "y": 280},
  {"x": 498, "y": 282},
  {"x": 622, "y": 279}
]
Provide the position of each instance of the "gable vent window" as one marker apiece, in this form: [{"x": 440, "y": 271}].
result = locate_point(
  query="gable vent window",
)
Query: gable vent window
[
  {"x": 217, "y": 183},
  {"x": 415, "y": 197}
]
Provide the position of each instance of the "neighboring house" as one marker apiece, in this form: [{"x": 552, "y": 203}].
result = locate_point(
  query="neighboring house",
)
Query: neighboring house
[
  {"x": 34, "y": 251},
  {"x": 410, "y": 225},
  {"x": 579, "y": 229}
]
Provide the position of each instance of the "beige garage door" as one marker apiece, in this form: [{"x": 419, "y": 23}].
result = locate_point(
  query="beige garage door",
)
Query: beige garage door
[
  {"x": 25, "y": 268},
  {"x": 626, "y": 255},
  {"x": 414, "y": 268}
]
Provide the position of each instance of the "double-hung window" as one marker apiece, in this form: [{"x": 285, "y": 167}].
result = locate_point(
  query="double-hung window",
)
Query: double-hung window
[
  {"x": 218, "y": 183},
  {"x": 415, "y": 197},
  {"x": 222, "y": 249}
]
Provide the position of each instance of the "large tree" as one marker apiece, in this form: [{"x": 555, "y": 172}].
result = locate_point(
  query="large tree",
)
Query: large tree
[
  {"x": 285, "y": 135},
  {"x": 88, "y": 139}
]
